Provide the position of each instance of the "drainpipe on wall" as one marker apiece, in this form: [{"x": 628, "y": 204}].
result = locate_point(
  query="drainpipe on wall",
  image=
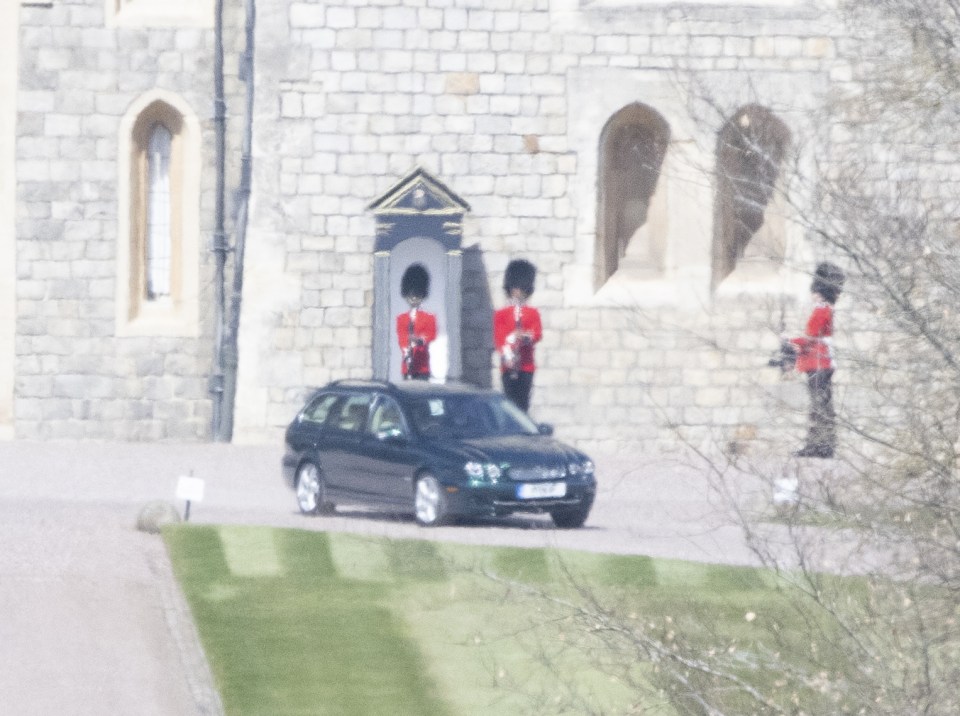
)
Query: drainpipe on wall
[
  {"x": 228, "y": 327},
  {"x": 243, "y": 211},
  {"x": 220, "y": 246}
]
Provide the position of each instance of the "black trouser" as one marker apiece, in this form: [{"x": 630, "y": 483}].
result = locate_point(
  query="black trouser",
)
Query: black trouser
[
  {"x": 517, "y": 386},
  {"x": 822, "y": 433}
]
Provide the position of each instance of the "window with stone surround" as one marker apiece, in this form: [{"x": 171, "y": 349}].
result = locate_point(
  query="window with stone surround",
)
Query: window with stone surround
[
  {"x": 158, "y": 233},
  {"x": 156, "y": 191},
  {"x": 159, "y": 228},
  {"x": 159, "y": 13},
  {"x": 631, "y": 213},
  {"x": 749, "y": 232}
]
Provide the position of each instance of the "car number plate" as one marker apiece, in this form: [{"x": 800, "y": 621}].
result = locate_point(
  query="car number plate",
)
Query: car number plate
[{"x": 534, "y": 490}]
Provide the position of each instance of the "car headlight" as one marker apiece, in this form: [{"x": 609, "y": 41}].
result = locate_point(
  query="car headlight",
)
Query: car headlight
[
  {"x": 482, "y": 471},
  {"x": 580, "y": 469}
]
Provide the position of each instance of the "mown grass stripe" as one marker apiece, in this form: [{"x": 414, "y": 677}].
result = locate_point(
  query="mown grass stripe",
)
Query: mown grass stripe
[
  {"x": 319, "y": 641},
  {"x": 250, "y": 553},
  {"x": 361, "y": 559},
  {"x": 353, "y": 625}
]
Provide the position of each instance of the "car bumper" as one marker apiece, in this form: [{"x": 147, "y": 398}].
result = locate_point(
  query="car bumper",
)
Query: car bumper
[{"x": 502, "y": 499}]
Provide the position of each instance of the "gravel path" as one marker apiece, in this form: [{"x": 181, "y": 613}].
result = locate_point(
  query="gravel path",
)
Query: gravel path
[{"x": 94, "y": 622}]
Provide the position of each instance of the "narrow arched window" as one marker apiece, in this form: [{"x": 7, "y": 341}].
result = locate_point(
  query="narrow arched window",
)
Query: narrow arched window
[
  {"x": 156, "y": 224},
  {"x": 633, "y": 146},
  {"x": 158, "y": 219},
  {"x": 751, "y": 147}
]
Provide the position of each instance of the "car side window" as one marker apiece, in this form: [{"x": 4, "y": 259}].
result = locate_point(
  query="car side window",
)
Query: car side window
[
  {"x": 427, "y": 416},
  {"x": 319, "y": 408},
  {"x": 387, "y": 419},
  {"x": 353, "y": 413}
]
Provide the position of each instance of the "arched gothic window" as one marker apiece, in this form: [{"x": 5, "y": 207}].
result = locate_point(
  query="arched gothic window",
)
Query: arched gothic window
[
  {"x": 159, "y": 227},
  {"x": 750, "y": 151},
  {"x": 633, "y": 145},
  {"x": 158, "y": 216},
  {"x": 157, "y": 184}
]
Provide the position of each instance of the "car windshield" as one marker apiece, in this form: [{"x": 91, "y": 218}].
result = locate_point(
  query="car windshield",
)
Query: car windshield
[{"x": 469, "y": 416}]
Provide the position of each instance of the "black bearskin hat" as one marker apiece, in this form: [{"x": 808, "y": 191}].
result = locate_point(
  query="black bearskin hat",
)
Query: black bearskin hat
[
  {"x": 520, "y": 274},
  {"x": 415, "y": 282},
  {"x": 828, "y": 281}
]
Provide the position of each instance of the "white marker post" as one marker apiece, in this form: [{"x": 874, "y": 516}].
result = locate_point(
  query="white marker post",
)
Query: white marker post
[{"x": 189, "y": 488}]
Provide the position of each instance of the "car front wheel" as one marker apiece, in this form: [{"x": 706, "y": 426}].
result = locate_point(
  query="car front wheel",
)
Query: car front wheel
[
  {"x": 430, "y": 502},
  {"x": 311, "y": 492},
  {"x": 570, "y": 517}
]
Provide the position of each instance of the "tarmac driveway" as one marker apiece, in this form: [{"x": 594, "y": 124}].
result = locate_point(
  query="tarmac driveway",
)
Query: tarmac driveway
[{"x": 93, "y": 622}]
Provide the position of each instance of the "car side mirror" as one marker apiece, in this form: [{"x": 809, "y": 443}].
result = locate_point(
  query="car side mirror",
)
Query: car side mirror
[{"x": 545, "y": 429}]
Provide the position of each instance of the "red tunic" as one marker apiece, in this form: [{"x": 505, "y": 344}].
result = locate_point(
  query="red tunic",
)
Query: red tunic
[
  {"x": 416, "y": 357},
  {"x": 813, "y": 349},
  {"x": 516, "y": 354}
]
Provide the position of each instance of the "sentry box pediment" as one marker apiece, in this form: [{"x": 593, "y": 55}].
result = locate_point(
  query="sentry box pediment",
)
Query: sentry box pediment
[{"x": 418, "y": 205}]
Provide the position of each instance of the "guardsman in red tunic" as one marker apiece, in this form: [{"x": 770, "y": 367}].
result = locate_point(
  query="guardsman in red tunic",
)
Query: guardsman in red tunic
[
  {"x": 815, "y": 358},
  {"x": 516, "y": 330},
  {"x": 416, "y": 328}
]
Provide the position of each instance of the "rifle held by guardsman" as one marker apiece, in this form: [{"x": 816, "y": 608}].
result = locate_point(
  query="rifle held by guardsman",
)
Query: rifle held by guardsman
[{"x": 411, "y": 344}]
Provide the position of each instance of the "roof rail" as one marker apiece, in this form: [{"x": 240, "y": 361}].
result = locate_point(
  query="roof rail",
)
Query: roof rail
[{"x": 362, "y": 382}]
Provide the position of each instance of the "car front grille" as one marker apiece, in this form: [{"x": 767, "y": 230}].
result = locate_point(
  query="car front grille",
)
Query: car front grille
[{"x": 538, "y": 472}]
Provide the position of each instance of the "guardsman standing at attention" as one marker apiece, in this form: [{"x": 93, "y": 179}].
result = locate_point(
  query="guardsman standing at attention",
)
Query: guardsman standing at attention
[
  {"x": 516, "y": 330},
  {"x": 416, "y": 328},
  {"x": 815, "y": 360}
]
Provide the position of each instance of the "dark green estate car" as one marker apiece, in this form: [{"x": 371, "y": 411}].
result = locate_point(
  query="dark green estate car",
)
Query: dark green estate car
[{"x": 437, "y": 450}]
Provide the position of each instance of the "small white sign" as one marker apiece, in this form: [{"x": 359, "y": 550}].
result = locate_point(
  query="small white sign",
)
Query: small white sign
[{"x": 190, "y": 489}]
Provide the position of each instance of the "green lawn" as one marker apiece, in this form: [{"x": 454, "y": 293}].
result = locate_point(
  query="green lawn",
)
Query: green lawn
[{"x": 300, "y": 622}]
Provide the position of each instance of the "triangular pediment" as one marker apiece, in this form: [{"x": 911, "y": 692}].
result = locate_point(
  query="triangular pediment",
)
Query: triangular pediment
[{"x": 419, "y": 193}]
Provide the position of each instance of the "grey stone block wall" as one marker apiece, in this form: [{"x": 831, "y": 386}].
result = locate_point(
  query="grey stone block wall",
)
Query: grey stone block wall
[
  {"x": 479, "y": 94},
  {"x": 485, "y": 95},
  {"x": 75, "y": 377}
]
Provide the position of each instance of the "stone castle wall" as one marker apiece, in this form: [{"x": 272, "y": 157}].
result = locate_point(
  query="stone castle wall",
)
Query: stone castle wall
[
  {"x": 75, "y": 376},
  {"x": 504, "y": 102}
]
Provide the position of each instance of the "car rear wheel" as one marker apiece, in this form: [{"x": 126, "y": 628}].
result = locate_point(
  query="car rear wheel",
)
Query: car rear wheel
[
  {"x": 570, "y": 517},
  {"x": 311, "y": 491},
  {"x": 430, "y": 502}
]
